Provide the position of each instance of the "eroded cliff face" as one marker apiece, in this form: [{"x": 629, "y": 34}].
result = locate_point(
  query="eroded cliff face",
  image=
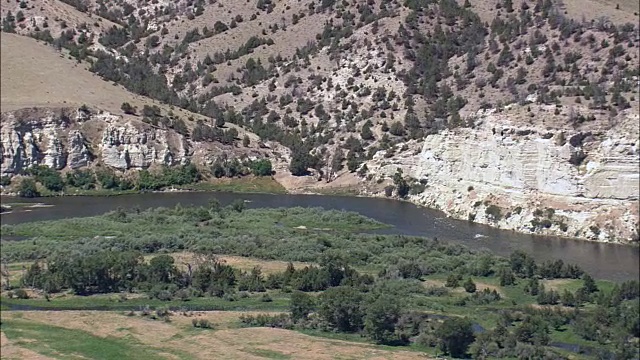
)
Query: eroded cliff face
[
  {"x": 69, "y": 138},
  {"x": 65, "y": 138},
  {"x": 563, "y": 181}
]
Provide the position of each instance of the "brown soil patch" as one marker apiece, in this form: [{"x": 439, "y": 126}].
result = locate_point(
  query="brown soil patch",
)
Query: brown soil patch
[
  {"x": 432, "y": 283},
  {"x": 240, "y": 262},
  {"x": 479, "y": 286},
  {"x": 556, "y": 284},
  {"x": 105, "y": 324}
]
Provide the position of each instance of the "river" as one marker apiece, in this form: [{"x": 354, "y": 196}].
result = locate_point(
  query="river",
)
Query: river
[{"x": 605, "y": 261}]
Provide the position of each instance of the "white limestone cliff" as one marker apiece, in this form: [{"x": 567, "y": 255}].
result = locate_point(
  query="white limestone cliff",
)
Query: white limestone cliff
[{"x": 531, "y": 175}]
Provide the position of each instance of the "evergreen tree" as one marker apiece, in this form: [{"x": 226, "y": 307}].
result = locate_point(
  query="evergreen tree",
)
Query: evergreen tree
[
  {"x": 469, "y": 286},
  {"x": 301, "y": 305},
  {"x": 455, "y": 335},
  {"x": 381, "y": 318},
  {"x": 366, "y": 133}
]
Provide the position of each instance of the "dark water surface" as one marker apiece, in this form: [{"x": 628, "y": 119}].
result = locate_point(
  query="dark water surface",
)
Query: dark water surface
[{"x": 606, "y": 261}]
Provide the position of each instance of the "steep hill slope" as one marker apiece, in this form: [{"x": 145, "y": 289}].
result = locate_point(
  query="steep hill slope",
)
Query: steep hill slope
[
  {"x": 35, "y": 75},
  {"x": 57, "y": 113}
]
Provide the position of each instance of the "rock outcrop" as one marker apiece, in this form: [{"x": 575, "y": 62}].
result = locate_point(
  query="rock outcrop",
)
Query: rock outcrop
[
  {"x": 530, "y": 179},
  {"x": 59, "y": 138},
  {"x": 70, "y": 139},
  {"x": 79, "y": 154}
]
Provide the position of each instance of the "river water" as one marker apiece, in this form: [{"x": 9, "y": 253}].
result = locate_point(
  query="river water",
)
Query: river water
[{"x": 606, "y": 261}]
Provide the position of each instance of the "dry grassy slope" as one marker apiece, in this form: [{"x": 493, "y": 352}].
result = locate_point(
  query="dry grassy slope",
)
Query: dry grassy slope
[
  {"x": 225, "y": 11},
  {"x": 35, "y": 75},
  {"x": 576, "y": 9},
  {"x": 226, "y": 341},
  {"x": 53, "y": 12},
  {"x": 285, "y": 44}
]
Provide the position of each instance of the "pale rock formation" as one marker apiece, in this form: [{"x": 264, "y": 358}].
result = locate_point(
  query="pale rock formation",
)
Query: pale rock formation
[
  {"x": 57, "y": 138},
  {"x": 125, "y": 147},
  {"x": 524, "y": 171},
  {"x": 79, "y": 155}
]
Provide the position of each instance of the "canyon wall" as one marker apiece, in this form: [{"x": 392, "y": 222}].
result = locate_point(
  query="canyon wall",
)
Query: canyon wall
[
  {"x": 527, "y": 178},
  {"x": 69, "y": 139}
]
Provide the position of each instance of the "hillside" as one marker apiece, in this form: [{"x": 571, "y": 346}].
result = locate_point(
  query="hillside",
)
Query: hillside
[
  {"x": 350, "y": 92},
  {"x": 42, "y": 92},
  {"x": 35, "y": 75}
]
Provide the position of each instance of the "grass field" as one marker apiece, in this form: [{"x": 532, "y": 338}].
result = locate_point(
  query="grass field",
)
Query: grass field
[
  {"x": 113, "y": 335},
  {"x": 247, "y": 184},
  {"x": 282, "y": 227}
]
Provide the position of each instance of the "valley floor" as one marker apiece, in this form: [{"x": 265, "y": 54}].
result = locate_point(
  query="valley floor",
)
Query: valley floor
[{"x": 114, "y": 335}]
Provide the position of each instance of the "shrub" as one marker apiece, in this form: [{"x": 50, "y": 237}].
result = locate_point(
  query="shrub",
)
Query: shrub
[
  {"x": 301, "y": 305},
  {"x": 494, "y": 212},
  {"x": 263, "y": 320},
  {"x": 162, "y": 312},
  {"x": 397, "y": 129},
  {"x": 21, "y": 294},
  {"x": 452, "y": 281},
  {"x": 82, "y": 179},
  {"x": 48, "y": 177},
  {"x": 469, "y": 286},
  {"x": 28, "y": 189},
  {"x": 201, "y": 323},
  {"x": 5, "y": 180},
  {"x": 436, "y": 291},
  {"x": 128, "y": 109},
  {"x": 262, "y": 167}
]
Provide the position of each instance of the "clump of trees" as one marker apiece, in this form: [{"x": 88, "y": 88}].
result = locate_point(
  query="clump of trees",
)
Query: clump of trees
[
  {"x": 234, "y": 167},
  {"x": 108, "y": 179},
  {"x": 28, "y": 189},
  {"x": 48, "y": 177},
  {"x": 168, "y": 176}
]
